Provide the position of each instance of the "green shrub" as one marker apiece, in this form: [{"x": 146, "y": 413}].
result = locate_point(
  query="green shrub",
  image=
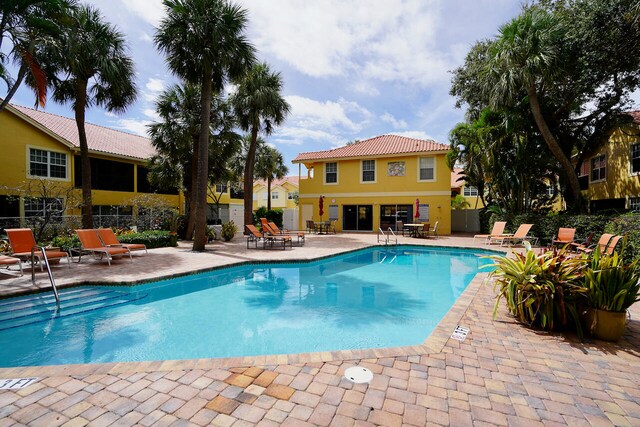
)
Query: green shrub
[
  {"x": 612, "y": 285},
  {"x": 229, "y": 230},
  {"x": 150, "y": 238},
  {"x": 629, "y": 225},
  {"x": 65, "y": 242},
  {"x": 274, "y": 215}
]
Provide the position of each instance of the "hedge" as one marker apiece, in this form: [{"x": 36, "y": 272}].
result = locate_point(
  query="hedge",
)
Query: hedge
[
  {"x": 274, "y": 215},
  {"x": 545, "y": 227},
  {"x": 152, "y": 239}
]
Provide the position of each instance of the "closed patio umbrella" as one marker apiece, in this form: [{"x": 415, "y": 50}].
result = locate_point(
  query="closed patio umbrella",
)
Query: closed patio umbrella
[
  {"x": 321, "y": 207},
  {"x": 416, "y": 215}
]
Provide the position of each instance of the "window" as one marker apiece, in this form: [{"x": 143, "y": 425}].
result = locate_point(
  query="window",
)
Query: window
[
  {"x": 48, "y": 164},
  {"x": 427, "y": 168},
  {"x": 635, "y": 158},
  {"x": 368, "y": 170},
  {"x": 598, "y": 168},
  {"x": 634, "y": 203},
  {"x": 109, "y": 175},
  {"x": 275, "y": 195},
  {"x": 290, "y": 195},
  {"x": 551, "y": 190},
  {"x": 42, "y": 206},
  {"x": 330, "y": 173},
  {"x": 145, "y": 186},
  {"x": 264, "y": 195},
  {"x": 221, "y": 188},
  {"x": 470, "y": 191}
]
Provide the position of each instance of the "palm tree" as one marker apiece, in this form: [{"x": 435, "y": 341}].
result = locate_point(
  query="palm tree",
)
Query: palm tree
[
  {"x": 259, "y": 107},
  {"x": 269, "y": 166},
  {"x": 525, "y": 56},
  {"x": 27, "y": 25},
  {"x": 205, "y": 45},
  {"x": 96, "y": 70}
]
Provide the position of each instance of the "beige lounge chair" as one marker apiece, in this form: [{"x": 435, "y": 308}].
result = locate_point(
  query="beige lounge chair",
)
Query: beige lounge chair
[
  {"x": 109, "y": 238},
  {"x": 90, "y": 242},
  {"x": 519, "y": 236},
  {"x": 497, "y": 230},
  {"x": 565, "y": 236},
  {"x": 9, "y": 261},
  {"x": 23, "y": 242},
  {"x": 434, "y": 230}
]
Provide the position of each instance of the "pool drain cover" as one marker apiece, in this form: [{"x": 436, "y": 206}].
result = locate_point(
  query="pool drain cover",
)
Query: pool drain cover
[{"x": 358, "y": 374}]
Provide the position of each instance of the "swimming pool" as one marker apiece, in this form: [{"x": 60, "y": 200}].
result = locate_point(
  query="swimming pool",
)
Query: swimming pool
[{"x": 376, "y": 297}]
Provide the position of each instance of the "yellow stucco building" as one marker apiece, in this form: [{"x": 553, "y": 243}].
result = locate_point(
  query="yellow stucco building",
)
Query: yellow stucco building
[
  {"x": 284, "y": 193},
  {"x": 373, "y": 183},
  {"x": 43, "y": 147},
  {"x": 610, "y": 176}
]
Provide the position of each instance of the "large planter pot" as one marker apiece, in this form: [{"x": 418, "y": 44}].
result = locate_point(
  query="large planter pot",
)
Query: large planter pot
[{"x": 606, "y": 325}]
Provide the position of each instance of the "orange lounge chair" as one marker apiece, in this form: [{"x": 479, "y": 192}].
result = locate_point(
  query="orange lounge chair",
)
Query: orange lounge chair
[
  {"x": 109, "y": 238},
  {"x": 277, "y": 232},
  {"x": 22, "y": 242},
  {"x": 497, "y": 230},
  {"x": 602, "y": 244},
  {"x": 9, "y": 261},
  {"x": 565, "y": 236},
  {"x": 90, "y": 242},
  {"x": 519, "y": 236},
  {"x": 255, "y": 235},
  {"x": 612, "y": 245}
]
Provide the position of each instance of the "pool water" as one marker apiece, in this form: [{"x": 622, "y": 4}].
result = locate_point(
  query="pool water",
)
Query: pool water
[{"x": 371, "y": 298}]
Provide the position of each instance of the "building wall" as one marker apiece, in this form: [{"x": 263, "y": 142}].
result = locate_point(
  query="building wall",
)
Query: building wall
[
  {"x": 282, "y": 202},
  {"x": 385, "y": 190},
  {"x": 620, "y": 182}
]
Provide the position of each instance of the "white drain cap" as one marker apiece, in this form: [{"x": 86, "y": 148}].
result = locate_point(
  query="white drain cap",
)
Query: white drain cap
[{"x": 358, "y": 374}]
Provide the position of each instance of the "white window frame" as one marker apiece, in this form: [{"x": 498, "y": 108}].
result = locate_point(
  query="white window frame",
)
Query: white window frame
[
  {"x": 631, "y": 171},
  {"x": 375, "y": 171},
  {"x": 49, "y": 177},
  {"x": 275, "y": 195},
  {"x": 325, "y": 173},
  {"x": 631, "y": 203},
  {"x": 290, "y": 195},
  {"x": 220, "y": 186},
  {"x": 434, "y": 169},
  {"x": 470, "y": 189},
  {"x": 591, "y": 168}
]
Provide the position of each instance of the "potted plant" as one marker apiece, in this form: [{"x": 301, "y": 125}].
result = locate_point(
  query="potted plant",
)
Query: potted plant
[
  {"x": 612, "y": 287},
  {"x": 228, "y": 231}
]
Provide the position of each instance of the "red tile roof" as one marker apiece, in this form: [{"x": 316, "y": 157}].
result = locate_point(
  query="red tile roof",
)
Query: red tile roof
[
  {"x": 635, "y": 115},
  {"x": 456, "y": 174},
  {"x": 290, "y": 179},
  {"x": 378, "y": 146},
  {"x": 99, "y": 138}
]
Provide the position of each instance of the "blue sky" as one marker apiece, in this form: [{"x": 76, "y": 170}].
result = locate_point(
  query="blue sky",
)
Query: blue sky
[{"x": 351, "y": 69}]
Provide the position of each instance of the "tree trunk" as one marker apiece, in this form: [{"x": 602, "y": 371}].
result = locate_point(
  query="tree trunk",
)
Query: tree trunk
[
  {"x": 269, "y": 193},
  {"x": 556, "y": 150},
  {"x": 81, "y": 102},
  {"x": 191, "y": 223},
  {"x": 248, "y": 177},
  {"x": 200, "y": 220},
  {"x": 21, "y": 75}
]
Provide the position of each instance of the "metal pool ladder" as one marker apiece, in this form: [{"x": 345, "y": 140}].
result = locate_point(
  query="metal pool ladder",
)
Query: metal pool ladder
[
  {"x": 46, "y": 264},
  {"x": 387, "y": 237}
]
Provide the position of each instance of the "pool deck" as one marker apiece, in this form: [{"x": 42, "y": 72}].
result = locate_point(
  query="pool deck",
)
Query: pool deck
[{"x": 502, "y": 374}]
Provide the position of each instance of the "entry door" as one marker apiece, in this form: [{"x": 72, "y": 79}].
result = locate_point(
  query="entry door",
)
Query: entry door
[{"x": 357, "y": 217}]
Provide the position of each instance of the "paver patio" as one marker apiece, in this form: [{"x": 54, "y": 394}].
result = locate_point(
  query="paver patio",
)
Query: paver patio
[{"x": 502, "y": 374}]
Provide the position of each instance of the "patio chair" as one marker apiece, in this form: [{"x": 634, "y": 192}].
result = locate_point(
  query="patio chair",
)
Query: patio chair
[
  {"x": 277, "y": 232},
  {"x": 311, "y": 226},
  {"x": 565, "y": 236},
  {"x": 519, "y": 236},
  {"x": 400, "y": 227},
  {"x": 109, "y": 238},
  {"x": 331, "y": 227},
  {"x": 612, "y": 245},
  {"x": 497, "y": 230},
  {"x": 424, "y": 232},
  {"x": 22, "y": 242},
  {"x": 602, "y": 244},
  {"x": 267, "y": 238},
  {"x": 9, "y": 261},
  {"x": 90, "y": 242},
  {"x": 434, "y": 230}
]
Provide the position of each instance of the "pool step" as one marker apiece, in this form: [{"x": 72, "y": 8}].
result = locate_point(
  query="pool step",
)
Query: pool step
[{"x": 42, "y": 307}]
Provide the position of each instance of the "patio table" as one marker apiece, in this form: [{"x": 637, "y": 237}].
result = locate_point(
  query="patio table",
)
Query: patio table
[{"x": 414, "y": 229}]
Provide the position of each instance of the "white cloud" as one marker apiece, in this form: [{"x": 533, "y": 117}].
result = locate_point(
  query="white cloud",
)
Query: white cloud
[
  {"x": 397, "y": 124},
  {"x": 139, "y": 127},
  {"x": 155, "y": 85},
  {"x": 366, "y": 88},
  {"x": 151, "y": 11},
  {"x": 152, "y": 114},
  {"x": 299, "y": 136},
  {"x": 312, "y": 114},
  {"x": 145, "y": 37}
]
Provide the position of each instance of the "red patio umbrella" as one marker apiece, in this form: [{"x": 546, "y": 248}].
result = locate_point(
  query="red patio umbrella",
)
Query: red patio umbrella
[
  {"x": 321, "y": 206},
  {"x": 416, "y": 215}
]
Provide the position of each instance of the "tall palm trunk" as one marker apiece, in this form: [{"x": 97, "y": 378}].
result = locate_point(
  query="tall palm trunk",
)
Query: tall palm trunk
[
  {"x": 22, "y": 72},
  {"x": 80, "y": 105},
  {"x": 203, "y": 162},
  {"x": 191, "y": 223},
  {"x": 556, "y": 150},
  {"x": 248, "y": 176},
  {"x": 269, "y": 193}
]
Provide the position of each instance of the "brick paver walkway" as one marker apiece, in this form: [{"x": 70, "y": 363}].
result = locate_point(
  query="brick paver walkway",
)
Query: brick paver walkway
[{"x": 503, "y": 374}]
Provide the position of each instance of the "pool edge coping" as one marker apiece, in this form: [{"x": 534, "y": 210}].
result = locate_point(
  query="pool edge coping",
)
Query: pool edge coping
[{"x": 434, "y": 343}]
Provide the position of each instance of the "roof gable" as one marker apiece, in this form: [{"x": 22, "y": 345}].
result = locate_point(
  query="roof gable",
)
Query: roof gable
[
  {"x": 377, "y": 146},
  {"x": 99, "y": 138}
]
